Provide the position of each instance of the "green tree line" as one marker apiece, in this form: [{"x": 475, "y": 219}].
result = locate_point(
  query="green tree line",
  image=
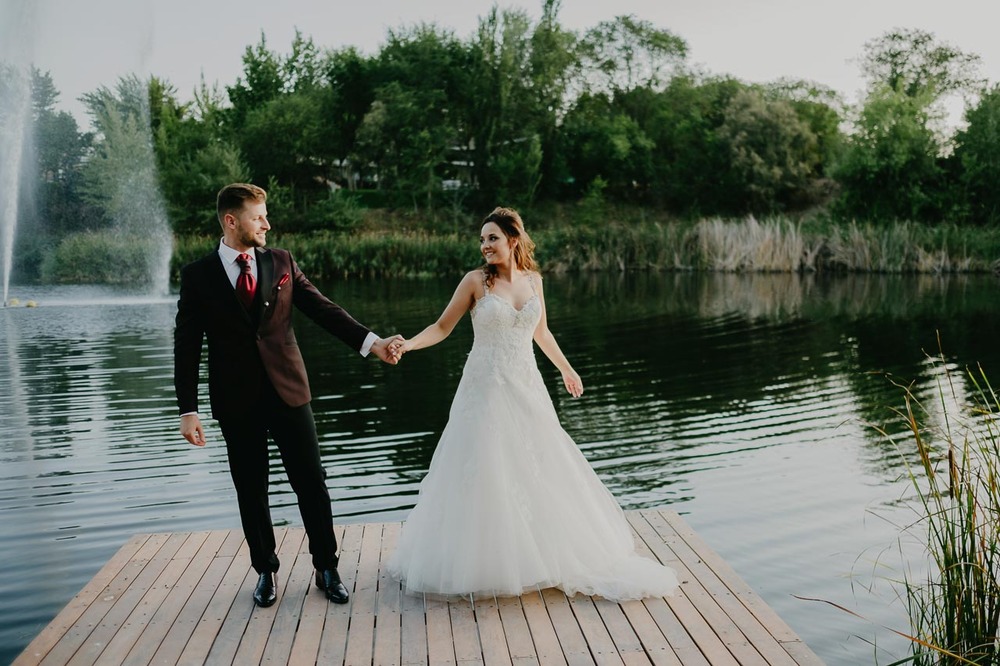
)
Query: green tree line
[{"x": 525, "y": 112}]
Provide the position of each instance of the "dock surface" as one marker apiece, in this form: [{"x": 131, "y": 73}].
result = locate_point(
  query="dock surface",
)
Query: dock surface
[{"x": 185, "y": 598}]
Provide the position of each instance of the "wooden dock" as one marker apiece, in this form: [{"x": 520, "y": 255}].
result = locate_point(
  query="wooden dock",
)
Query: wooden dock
[{"x": 186, "y": 599}]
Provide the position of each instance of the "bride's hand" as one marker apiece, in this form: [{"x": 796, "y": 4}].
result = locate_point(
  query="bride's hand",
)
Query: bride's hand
[
  {"x": 387, "y": 349},
  {"x": 404, "y": 346},
  {"x": 573, "y": 383}
]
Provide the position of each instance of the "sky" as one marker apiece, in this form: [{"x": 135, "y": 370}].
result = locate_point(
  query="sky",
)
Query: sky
[{"x": 86, "y": 44}]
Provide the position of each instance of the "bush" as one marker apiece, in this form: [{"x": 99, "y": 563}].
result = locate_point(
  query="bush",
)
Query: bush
[{"x": 103, "y": 257}]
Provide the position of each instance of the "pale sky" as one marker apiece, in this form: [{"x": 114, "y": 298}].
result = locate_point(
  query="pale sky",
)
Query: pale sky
[{"x": 87, "y": 43}]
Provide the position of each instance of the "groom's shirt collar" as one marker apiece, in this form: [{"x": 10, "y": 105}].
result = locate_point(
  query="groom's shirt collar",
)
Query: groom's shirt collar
[{"x": 228, "y": 256}]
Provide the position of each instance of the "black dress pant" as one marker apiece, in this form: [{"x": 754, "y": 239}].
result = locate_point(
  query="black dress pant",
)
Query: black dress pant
[{"x": 294, "y": 432}]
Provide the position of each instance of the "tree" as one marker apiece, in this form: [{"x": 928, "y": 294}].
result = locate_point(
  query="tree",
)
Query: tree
[
  {"x": 120, "y": 179},
  {"x": 194, "y": 155},
  {"x": 501, "y": 120},
  {"x": 302, "y": 69},
  {"x": 819, "y": 107},
  {"x": 60, "y": 149},
  {"x": 978, "y": 153},
  {"x": 281, "y": 139},
  {"x": 691, "y": 161},
  {"x": 552, "y": 62},
  {"x": 774, "y": 153},
  {"x": 413, "y": 124},
  {"x": 891, "y": 169},
  {"x": 893, "y": 164},
  {"x": 626, "y": 53},
  {"x": 348, "y": 97},
  {"x": 406, "y": 134},
  {"x": 120, "y": 176},
  {"x": 601, "y": 141},
  {"x": 914, "y": 63},
  {"x": 261, "y": 82}
]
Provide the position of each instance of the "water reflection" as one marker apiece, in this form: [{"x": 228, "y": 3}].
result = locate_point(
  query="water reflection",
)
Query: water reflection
[{"x": 742, "y": 401}]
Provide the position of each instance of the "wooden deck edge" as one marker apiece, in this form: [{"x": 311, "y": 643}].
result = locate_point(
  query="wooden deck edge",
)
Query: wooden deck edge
[{"x": 147, "y": 593}]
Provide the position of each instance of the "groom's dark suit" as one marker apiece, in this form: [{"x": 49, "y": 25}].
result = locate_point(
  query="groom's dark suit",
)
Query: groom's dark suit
[{"x": 258, "y": 386}]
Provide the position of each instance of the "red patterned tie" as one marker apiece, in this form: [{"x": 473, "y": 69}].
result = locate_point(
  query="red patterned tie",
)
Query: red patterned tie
[{"x": 246, "y": 285}]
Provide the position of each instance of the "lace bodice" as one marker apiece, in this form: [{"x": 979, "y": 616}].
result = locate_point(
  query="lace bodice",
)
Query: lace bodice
[{"x": 503, "y": 335}]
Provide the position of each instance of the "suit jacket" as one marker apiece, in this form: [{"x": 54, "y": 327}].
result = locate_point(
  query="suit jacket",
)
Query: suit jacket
[{"x": 245, "y": 347}]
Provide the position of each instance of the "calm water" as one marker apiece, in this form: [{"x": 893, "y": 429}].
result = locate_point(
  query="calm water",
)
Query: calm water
[{"x": 743, "y": 402}]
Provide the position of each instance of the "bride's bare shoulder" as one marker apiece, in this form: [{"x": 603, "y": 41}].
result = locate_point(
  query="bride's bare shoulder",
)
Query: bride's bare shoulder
[
  {"x": 472, "y": 278},
  {"x": 472, "y": 284}
]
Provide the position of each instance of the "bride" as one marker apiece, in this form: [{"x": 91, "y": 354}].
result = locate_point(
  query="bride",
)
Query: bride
[{"x": 509, "y": 503}]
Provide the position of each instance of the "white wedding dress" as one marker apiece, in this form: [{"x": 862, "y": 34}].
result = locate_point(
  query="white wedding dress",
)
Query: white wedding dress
[{"x": 509, "y": 503}]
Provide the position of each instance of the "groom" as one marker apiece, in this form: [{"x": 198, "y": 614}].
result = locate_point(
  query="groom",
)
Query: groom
[{"x": 240, "y": 298}]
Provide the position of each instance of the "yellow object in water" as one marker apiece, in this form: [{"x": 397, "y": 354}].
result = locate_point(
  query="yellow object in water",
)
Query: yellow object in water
[
  {"x": 30, "y": 304},
  {"x": 14, "y": 302}
]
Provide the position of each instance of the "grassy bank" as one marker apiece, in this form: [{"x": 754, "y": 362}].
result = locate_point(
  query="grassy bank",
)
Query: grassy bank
[
  {"x": 399, "y": 246},
  {"x": 746, "y": 245}
]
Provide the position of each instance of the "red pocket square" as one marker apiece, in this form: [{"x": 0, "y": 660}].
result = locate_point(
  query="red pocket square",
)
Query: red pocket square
[{"x": 284, "y": 278}]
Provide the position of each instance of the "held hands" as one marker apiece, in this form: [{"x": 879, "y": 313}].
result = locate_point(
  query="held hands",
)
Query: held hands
[
  {"x": 191, "y": 429},
  {"x": 389, "y": 349},
  {"x": 403, "y": 346},
  {"x": 573, "y": 383},
  {"x": 399, "y": 346}
]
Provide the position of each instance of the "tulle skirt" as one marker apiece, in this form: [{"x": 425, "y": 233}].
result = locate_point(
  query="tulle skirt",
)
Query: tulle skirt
[{"x": 510, "y": 505}]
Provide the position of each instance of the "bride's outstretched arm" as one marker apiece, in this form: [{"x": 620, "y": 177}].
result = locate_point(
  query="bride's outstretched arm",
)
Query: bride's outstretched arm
[
  {"x": 547, "y": 343},
  {"x": 461, "y": 301}
]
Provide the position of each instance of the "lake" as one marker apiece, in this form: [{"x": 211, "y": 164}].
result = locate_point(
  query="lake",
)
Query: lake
[{"x": 747, "y": 403}]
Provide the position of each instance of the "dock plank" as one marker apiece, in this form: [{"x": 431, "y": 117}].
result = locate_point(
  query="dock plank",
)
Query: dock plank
[
  {"x": 491, "y": 632},
  {"x": 176, "y": 595},
  {"x": 186, "y": 599},
  {"x": 333, "y": 642},
  {"x": 440, "y": 643},
  {"x": 96, "y": 640},
  {"x": 571, "y": 638},
  {"x": 287, "y": 607},
  {"x": 520, "y": 646},
  {"x": 306, "y": 642},
  {"x": 413, "y": 630},
  {"x": 465, "y": 632},
  {"x": 388, "y": 605},
  {"x": 78, "y": 605},
  {"x": 543, "y": 634},
  {"x": 219, "y": 606},
  {"x": 700, "y": 564},
  {"x": 361, "y": 637},
  {"x": 191, "y": 614},
  {"x": 599, "y": 642}
]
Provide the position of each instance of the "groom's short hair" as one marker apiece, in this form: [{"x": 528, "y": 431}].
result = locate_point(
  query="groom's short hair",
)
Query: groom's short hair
[{"x": 233, "y": 197}]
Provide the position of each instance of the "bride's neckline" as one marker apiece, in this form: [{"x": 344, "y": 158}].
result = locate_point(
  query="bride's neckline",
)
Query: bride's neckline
[{"x": 501, "y": 298}]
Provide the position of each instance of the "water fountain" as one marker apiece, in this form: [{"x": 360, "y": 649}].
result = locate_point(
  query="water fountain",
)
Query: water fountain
[
  {"x": 15, "y": 124},
  {"x": 133, "y": 203}
]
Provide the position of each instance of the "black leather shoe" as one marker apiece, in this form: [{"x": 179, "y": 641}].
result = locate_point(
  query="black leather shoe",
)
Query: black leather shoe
[
  {"x": 264, "y": 594},
  {"x": 329, "y": 581}
]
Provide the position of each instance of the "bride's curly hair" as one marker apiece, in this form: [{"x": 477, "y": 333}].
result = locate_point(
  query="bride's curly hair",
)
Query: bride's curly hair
[{"x": 511, "y": 225}]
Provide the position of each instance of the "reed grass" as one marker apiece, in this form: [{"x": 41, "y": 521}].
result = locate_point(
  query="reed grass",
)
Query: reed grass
[
  {"x": 955, "y": 612},
  {"x": 771, "y": 245}
]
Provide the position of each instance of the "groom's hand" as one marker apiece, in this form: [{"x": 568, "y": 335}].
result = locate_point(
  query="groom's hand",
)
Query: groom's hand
[
  {"x": 192, "y": 430},
  {"x": 388, "y": 349}
]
